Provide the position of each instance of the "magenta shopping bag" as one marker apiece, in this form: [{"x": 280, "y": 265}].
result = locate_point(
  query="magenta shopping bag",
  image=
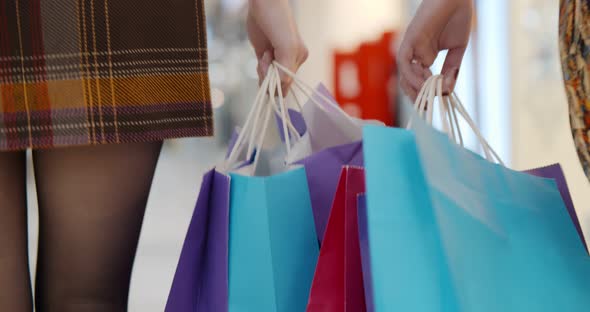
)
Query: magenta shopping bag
[
  {"x": 201, "y": 279},
  {"x": 338, "y": 280},
  {"x": 556, "y": 173}
]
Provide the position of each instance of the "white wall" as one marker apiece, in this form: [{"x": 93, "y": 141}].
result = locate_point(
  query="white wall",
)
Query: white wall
[
  {"x": 342, "y": 24},
  {"x": 540, "y": 119}
]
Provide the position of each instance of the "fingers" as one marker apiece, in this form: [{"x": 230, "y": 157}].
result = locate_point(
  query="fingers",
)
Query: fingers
[
  {"x": 451, "y": 68},
  {"x": 412, "y": 80},
  {"x": 408, "y": 89},
  {"x": 291, "y": 58},
  {"x": 264, "y": 62},
  {"x": 425, "y": 55},
  {"x": 272, "y": 31},
  {"x": 414, "y": 64},
  {"x": 421, "y": 73},
  {"x": 414, "y": 73}
]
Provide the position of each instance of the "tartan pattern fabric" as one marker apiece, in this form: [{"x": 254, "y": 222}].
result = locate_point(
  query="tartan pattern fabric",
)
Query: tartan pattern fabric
[{"x": 87, "y": 72}]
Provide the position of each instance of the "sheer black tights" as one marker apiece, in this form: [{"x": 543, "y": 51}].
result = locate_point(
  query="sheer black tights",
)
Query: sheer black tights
[
  {"x": 91, "y": 206},
  {"x": 15, "y": 285}
]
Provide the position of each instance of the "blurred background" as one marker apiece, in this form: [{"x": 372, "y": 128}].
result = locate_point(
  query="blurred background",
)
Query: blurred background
[{"x": 511, "y": 82}]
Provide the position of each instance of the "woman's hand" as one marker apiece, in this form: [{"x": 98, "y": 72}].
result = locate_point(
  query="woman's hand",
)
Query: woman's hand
[
  {"x": 274, "y": 36},
  {"x": 438, "y": 25}
]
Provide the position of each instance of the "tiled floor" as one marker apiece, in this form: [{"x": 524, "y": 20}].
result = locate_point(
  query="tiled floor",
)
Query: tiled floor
[{"x": 170, "y": 207}]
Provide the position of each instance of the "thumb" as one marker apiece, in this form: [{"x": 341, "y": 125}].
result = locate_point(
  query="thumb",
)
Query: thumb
[{"x": 451, "y": 67}]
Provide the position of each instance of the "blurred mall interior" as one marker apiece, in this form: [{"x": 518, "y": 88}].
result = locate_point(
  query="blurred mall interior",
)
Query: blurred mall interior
[{"x": 511, "y": 82}]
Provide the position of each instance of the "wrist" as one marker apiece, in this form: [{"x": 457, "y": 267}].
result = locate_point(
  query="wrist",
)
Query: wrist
[
  {"x": 435, "y": 14},
  {"x": 449, "y": 4}
]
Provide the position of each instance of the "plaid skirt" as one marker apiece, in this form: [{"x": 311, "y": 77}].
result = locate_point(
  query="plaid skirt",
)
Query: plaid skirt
[
  {"x": 88, "y": 72},
  {"x": 574, "y": 44}
]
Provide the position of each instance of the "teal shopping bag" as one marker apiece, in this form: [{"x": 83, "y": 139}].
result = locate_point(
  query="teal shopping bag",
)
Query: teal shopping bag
[
  {"x": 451, "y": 231},
  {"x": 272, "y": 243},
  {"x": 273, "y": 247}
]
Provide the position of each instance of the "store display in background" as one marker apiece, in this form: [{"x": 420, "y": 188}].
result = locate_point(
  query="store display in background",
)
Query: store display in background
[
  {"x": 365, "y": 80},
  {"x": 232, "y": 64}
]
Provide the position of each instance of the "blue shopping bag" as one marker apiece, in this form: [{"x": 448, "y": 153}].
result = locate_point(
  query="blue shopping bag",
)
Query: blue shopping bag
[
  {"x": 451, "y": 231},
  {"x": 273, "y": 248},
  {"x": 272, "y": 243}
]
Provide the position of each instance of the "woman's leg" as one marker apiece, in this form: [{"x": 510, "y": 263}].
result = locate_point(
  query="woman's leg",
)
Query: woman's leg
[
  {"x": 91, "y": 206},
  {"x": 15, "y": 282}
]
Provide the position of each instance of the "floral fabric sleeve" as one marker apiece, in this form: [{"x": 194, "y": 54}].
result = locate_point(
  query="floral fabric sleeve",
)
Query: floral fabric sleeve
[{"x": 574, "y": 44}]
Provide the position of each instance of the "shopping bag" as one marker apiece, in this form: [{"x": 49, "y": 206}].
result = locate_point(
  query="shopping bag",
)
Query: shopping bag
[
  {"x": 451, "y": 231},
  {"x": 272, "y": 243},
  {"x": 328, "y": 139},
  {"x": 364, "y": 249},
  {"x": 338, "y": 279},
  {"x": 326, "y": 124},
  {"x": 200, "y": 281},
  {"x": 331, "y": 139},
  {"x": 273, "y": 246},
  {"x": 322, "y": 169},
  {"x": 555, "y": 172}
]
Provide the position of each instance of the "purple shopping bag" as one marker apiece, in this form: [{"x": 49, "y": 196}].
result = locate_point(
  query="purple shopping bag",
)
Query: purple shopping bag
[
  {"x": 323, "y": 169},
  {"x": 330, "y": 142},
  {"x": 364, "y": 246},
  {"x": 556, "y": 173},
  {"x": 201, "y": 279}
]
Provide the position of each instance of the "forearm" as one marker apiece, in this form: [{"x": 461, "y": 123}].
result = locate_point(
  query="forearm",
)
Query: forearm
[{"x": 439, "y": 12}]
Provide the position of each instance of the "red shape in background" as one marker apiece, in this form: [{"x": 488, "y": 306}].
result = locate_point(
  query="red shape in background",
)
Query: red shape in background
[{"x": 377, "y": 79}]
